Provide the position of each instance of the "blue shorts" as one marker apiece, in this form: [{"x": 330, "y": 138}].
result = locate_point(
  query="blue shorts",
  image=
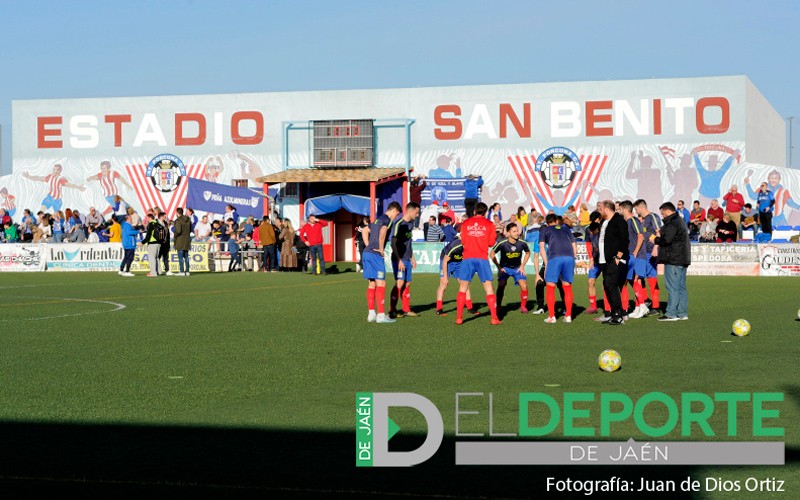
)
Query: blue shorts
[
  {"x": 647, "y": 268},
  {"x": 511, "y": 272},
  {"x": 50, "y": 202},
  {"x": 594, "y": 272},
  {"x": 469, "y": 267},
  {"x": 374, "y": 266},
  {"x": 633, "y": 265},
  {"x": 402, "y": 275},
  {"x": 452, "y": 269},
  {"x": 560, "y": 267}
]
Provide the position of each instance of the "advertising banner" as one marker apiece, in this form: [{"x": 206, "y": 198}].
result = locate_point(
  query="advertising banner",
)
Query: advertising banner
[
  {"x": 722, "y": 259},
  {"x": 83, "y": 256},
  {"x": 198, "y": 259},
  {"x": 214, "y": 198},
  {"x": 779, "y": 260},
  {"x": 16, "y": 257}
]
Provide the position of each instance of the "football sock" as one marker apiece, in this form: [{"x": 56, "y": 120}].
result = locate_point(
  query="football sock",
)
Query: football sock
[
  {"x": 491, "y": 301},
  {"x": 380, "y": 298},
  {"x": 462, "y": 297},
  {"x": 393, "y": 296},
  {"x": 523, "y": 299},
  {"x": 567, "y": 299},
  {"x": 640, "y": 292},
  {"x": 592, "y": 301},
  {"x": 407, "y": 299},
  {"x": 655, "y": 293},
  {"x": 551, "y": 300},
  {"x": 438, "y": 305},
  {"x": 606, "y": 303},
  {"x": 625, "y": 296},
  {"x": 500, "y": 293},
  {"x": 370, "y": 299}
]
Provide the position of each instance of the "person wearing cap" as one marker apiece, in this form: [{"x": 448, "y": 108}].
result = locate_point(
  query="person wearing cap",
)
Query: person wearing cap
[{"x": 447, "y": 212}]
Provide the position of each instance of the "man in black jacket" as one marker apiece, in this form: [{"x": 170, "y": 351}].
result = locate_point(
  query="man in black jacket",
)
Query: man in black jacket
[
  {"x": 674, "y": 251},
  {"x": 613, "y": 257}
]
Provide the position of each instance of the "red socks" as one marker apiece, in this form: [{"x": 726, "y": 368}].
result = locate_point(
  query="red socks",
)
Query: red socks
[
  {"x": 625, "y": 297},
  {"x": 606, "y": 303},
  {"x": 550, "y": 296},
  {"x": 655, "y": 293},
  {"x": 491, "y": 301},
  {"x": 438, "y": 305},
  {"x": 567, "y": 298},
  {"x": 641, "y": 293},
  {"x": 462, "y": 297},
  {"x": 523, "y": 299},
  {"x": 370, "y": 299},
  {"x": 592, "y": 301},
  {"x": 380, "y": 298},
  {"x": 407, "y": 299}
]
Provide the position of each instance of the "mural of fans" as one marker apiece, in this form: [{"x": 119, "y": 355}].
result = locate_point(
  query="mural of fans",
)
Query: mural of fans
[
  {"x": 213, "y": 168},
  {"x": 108, "y": 182},
  {"x": 55, "y": 184},
  {"x": 648, "y": 179},
  {"x": 711, "y": 175},
  {"x": 683, "y": 178},
  {"x": 8, "y": 202},
  {"x": 782, "y": 197},
  {"x": 250, "y": 168},
  {"x": 443, "y": 164}
]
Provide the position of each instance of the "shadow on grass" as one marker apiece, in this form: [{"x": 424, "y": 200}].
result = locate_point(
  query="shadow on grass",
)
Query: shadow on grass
[{"x": 125, "y": 461}]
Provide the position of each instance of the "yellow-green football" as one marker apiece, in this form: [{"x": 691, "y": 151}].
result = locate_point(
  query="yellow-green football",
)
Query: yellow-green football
[
  {"x": 609, "y": 360},
  {"x": 741, "y": 327}
]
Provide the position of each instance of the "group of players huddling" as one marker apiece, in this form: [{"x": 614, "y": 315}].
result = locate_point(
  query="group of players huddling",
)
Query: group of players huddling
[{"x": 554, "y": 258}]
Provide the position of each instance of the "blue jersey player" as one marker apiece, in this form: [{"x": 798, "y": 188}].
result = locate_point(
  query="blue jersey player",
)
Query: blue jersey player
[
  {"x": 449, "y": 263},
  {"x": 375, "y": 237}
]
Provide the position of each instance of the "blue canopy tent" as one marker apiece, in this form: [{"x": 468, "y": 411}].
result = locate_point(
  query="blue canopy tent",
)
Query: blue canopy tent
[{"x": 331, "y": 203}]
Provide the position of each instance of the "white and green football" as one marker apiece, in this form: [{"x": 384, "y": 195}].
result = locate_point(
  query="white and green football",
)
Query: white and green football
[
  {"x": 609, "y": 360},
  {"x": 741, "y": 327}
]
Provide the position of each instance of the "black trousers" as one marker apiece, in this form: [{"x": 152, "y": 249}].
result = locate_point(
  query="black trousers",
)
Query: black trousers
[
  {"x": 127, "y": 260},
  {"x": 163, "y": 254},
  {"x": 613, "y": 280},
  {"x": 765, "y": 219},
  {"x": 469, "y": 204}
]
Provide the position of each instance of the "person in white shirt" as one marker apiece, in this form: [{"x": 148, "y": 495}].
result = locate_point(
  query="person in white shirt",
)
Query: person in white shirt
[
  {"x": 202, "y": 230},
  {"x": 93, "y": 238}
]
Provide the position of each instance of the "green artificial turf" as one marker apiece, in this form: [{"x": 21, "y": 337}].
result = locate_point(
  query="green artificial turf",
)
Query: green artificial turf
[{"x": 248, "y": 380}]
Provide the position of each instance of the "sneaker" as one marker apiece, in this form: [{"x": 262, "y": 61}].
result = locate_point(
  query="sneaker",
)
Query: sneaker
[
  {"x": 592, "y": 311},
  {"x": 653, "y": 312},
  {"x": 410, "y": 314},
  {"x": 383, "y": 319},
  {"x": 395, "y": 315},
  {"x": 603, "y": 319},
  {"x": 567, "y": 319},
  {"x": 372, "y": 316},
  {"x": 495, "y": 321},
  {"x": 669, "y": 318},
  {"x": 616, "y": 321},
  {"x": 440, "y": 312},
  {"x": 474, "y": 310},
  {"x": 683, "y": 318},
  {"x": 523, "y": 310},
  {"x": 120, "y": 273},
  {"x": 639, "y": 312},
  {"x": 128, "y": 275},
  {"x": 538, "y": 311},
  {"x": 550, "y": 320},
  {"x": 170, "y": 273}
]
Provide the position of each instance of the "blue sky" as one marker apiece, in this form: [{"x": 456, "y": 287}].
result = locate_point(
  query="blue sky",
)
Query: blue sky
[{"x": 89, "y": 48}]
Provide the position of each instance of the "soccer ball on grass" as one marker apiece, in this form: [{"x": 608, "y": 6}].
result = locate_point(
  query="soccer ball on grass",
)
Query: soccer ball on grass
[
  {"x": 741, "y": 327},
  {"x": 609, "y": 360}
]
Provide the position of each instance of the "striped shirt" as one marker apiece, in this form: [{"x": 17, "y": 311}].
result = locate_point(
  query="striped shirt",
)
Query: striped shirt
[
  {"x": 108, "y": 183},
  {"x": 55, "y": 183}
]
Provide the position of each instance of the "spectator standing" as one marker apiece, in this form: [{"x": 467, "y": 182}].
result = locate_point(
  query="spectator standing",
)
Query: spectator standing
[
  {"x": 613, "y": 258},
  {"x": 311, "y": 234},
  {"x": 472, "y": 186},
  {"x": 288, "y": 251},
  {"x": 266, "y": 233},
  {"x": 733, "y": 201},
  {"x": 183, "y": 241},
  {"x": 163, "y": 250},
  {"x": 675, "y": 253},
  {"x": 766, "y": 202},
  {"x": 152, "y": 239},
  {"x": 129, "y": 235}
]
